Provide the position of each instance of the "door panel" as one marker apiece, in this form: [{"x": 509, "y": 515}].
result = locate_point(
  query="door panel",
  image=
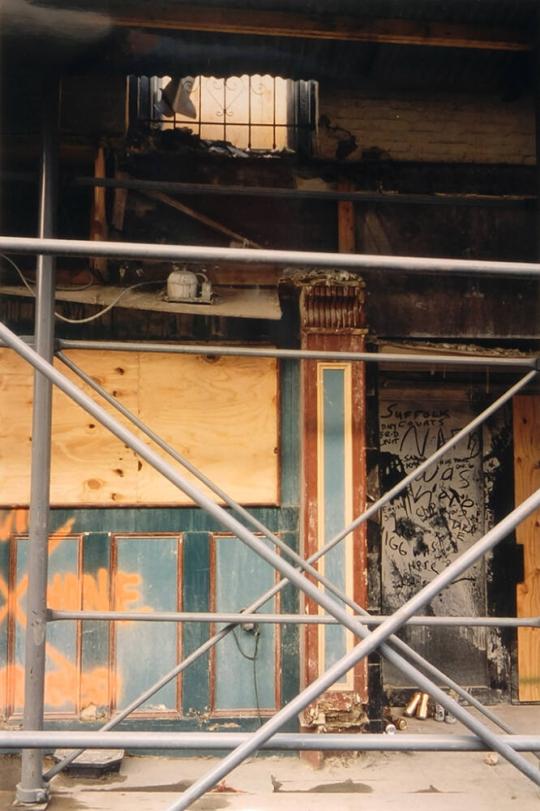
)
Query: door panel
[
  {"x": 429, "y": 525},
  {"x": 147, "y": 576},
  {"x": 245, "y": 663}
]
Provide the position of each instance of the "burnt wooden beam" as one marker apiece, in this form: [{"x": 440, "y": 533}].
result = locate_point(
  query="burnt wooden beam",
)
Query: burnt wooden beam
[
  {"x": 166, "y": 200},
  {"x": 323, "y": 195},
  {"x": 328, "y": 27}
]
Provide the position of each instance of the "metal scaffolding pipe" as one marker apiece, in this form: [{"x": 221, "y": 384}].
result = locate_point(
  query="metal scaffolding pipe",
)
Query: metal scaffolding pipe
[
  {"x": 32, "y": 788},
  {"x": 241, "y": 618},
  {"x": 425, "y": 666},
  {"x": 362, "y": 649},
  {"x": 302, "y": 354},
  {"x": 264, "y": 256},
  {"x": 282, "y": 566},
  {"x": 398, "y": 644},
  {"x": 209, "y": 741}
]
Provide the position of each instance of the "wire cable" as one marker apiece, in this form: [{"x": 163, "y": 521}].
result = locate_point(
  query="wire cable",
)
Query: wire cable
[
  {"x": 106, "y": 309},
  {"x": 89, "y": 318},
  {"x": 257, "y": 634},
  {"x": 28, "y": 283}
]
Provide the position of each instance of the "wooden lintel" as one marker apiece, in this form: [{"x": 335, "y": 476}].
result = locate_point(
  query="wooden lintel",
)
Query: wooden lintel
[{"x": 330, "y": 27}]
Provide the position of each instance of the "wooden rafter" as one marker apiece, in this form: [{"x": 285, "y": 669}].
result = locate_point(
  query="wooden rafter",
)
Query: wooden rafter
[{"x": 330, "y": 27}]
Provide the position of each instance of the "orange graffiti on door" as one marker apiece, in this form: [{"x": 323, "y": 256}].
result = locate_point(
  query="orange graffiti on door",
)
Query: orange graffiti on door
[{"x": 67, "y": 686}]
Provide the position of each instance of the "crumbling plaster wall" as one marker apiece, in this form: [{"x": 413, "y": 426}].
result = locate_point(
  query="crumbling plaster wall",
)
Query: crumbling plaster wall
[{"x": 417, "y": 127}]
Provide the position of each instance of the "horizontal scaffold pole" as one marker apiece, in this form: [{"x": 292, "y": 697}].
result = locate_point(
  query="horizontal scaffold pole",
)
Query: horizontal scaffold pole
[
  {"x": 265, "y": 256},
  {"x": 283, "y": 741},
  {"x": 285, "y": 619},
  {"x": 370, "y": 640},
  {"x": 369, "y": 643},
  {"x": 301, "y": 354},
  {"x": 397, "y": 644}
]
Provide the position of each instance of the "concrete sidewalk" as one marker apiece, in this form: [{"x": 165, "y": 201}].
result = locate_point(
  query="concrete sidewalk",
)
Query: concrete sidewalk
[{"x": 373, "y": 781}]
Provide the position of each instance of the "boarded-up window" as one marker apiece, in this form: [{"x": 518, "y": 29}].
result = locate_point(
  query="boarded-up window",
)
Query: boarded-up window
[{"x": 219, "y": 413}]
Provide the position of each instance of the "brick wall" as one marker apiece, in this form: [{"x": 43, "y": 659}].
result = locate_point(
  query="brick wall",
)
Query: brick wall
[{"x": 464, "y": 128}]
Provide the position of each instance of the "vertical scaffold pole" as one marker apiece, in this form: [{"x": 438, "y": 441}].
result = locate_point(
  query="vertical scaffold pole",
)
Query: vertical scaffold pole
[{"x": 32, "y": 788}]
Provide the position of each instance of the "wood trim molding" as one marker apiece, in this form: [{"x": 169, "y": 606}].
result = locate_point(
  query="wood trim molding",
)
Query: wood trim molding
[
  {"x": 332, "y": 316},
  {"x": 328, "y": 27},
  {"x": 527, "y": 479}
]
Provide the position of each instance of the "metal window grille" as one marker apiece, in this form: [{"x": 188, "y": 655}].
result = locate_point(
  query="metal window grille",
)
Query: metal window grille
[{"x": 254, "y": 113}]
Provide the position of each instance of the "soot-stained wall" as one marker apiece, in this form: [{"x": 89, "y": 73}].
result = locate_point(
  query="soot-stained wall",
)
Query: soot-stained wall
[
  {"x": 449, "y": 127},
  {"x": 432, "y": 523}
]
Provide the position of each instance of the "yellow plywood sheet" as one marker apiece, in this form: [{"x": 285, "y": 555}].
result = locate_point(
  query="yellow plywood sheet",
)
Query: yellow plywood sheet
[
  {"x": 15, "y": 428},
  {"x": 89, "y": 466},
  {"x": 222, "y": 414},
  {"x": 527, "y": 480}
]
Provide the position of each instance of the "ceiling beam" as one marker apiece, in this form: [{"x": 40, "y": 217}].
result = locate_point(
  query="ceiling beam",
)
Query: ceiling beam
[{"x": 328, "y": 27}]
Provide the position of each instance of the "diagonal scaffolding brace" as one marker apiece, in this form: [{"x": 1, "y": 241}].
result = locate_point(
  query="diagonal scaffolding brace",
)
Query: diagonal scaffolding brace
[
  {"x": 398, "y": 644},
  {"x": 370, "y": 642},
  {"x": 288, "y": 571}
]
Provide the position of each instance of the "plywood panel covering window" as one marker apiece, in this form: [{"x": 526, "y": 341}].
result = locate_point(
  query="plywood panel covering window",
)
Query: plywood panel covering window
[{"x": 219, "y": 413}]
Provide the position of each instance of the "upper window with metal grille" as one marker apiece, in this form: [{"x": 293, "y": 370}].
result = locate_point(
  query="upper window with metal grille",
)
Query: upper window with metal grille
[{"x": 252, "y": 113}]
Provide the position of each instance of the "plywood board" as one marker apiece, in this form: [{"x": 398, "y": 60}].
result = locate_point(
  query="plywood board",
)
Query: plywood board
[
  {"x": 527, "y": 480},
  {"x": 15, "y": 428},
  {"x": 89, "y": 466},
  {"x": 220, "y": 413}
]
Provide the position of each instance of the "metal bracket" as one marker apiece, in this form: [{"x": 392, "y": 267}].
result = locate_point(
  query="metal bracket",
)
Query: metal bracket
[{"x": 36, "y": 797}]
